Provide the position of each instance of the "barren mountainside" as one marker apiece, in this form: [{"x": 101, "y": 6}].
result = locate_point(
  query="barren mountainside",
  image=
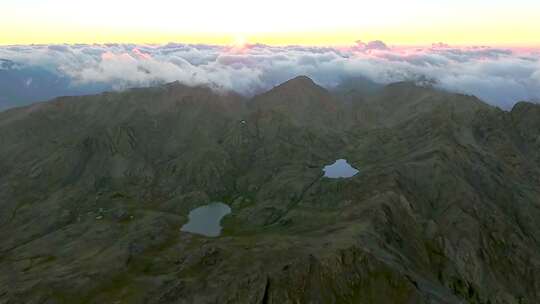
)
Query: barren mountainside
[{"x": 445, "y": 208}]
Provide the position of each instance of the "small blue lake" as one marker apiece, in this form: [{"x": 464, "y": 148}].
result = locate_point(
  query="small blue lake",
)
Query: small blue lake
[
  {"x": 206, "y": 220},
  {"x": 340, "y": 169}
]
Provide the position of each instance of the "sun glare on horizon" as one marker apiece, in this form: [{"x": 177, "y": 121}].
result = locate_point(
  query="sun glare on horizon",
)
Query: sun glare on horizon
[{"x": 278, "y": 22}]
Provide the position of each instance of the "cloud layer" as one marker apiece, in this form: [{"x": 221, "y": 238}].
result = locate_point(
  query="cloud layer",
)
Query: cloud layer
[{"x": 498, "y": 76}]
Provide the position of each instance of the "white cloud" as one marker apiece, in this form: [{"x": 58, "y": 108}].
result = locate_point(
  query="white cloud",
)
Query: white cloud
[{"x": 499, "y": 76}]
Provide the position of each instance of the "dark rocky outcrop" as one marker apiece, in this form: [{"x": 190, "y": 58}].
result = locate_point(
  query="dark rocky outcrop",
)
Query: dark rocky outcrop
[{"x": 446, "y": 208}]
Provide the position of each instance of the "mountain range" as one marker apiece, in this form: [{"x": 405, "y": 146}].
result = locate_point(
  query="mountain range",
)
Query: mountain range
[
  {"x": 25, "y": 84},
  {"x": 94, "y": 190}
]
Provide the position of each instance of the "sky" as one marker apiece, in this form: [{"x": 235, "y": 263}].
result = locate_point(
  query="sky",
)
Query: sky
[{"x": 277, "y": 22}]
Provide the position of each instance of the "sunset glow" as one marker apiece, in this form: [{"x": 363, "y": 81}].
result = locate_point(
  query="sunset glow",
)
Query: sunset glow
[{"x": 277, "y": 23}]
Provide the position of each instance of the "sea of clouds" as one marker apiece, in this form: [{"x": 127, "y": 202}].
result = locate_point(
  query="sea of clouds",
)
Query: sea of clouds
[{"x": 500, "y": 76}]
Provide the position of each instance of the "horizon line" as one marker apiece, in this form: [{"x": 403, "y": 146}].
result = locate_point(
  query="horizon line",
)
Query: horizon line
[{"x": 321, "y": 45}]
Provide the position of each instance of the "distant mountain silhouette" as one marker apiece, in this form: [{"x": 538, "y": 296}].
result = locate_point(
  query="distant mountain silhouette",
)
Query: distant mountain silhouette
[{"x": 21, "y": 85}]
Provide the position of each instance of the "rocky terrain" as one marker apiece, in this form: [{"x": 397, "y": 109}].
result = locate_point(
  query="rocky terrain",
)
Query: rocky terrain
[{"x": 445, "y": 209}]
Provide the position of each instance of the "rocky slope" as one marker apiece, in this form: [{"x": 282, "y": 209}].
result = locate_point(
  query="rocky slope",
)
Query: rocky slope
[{"x": 446, "y": 208}]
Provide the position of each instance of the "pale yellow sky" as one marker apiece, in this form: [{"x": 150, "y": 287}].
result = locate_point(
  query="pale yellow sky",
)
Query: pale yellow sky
[{"x": 272, "y": 22}]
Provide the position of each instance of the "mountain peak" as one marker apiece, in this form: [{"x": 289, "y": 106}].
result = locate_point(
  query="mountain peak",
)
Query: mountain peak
[
  {"x": 301, "y": 81},
  {"x": 299, "y": 87},
  {"x": 300, "y": 98}
]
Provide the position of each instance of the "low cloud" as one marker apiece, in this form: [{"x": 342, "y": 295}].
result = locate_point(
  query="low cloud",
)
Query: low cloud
[
  {"x": 499, "y": 76},
  {"x": 372, "y": 45}
]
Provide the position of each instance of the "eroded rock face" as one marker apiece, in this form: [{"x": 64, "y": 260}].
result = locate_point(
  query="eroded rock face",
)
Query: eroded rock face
[{"x": 94, "y": 191}]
